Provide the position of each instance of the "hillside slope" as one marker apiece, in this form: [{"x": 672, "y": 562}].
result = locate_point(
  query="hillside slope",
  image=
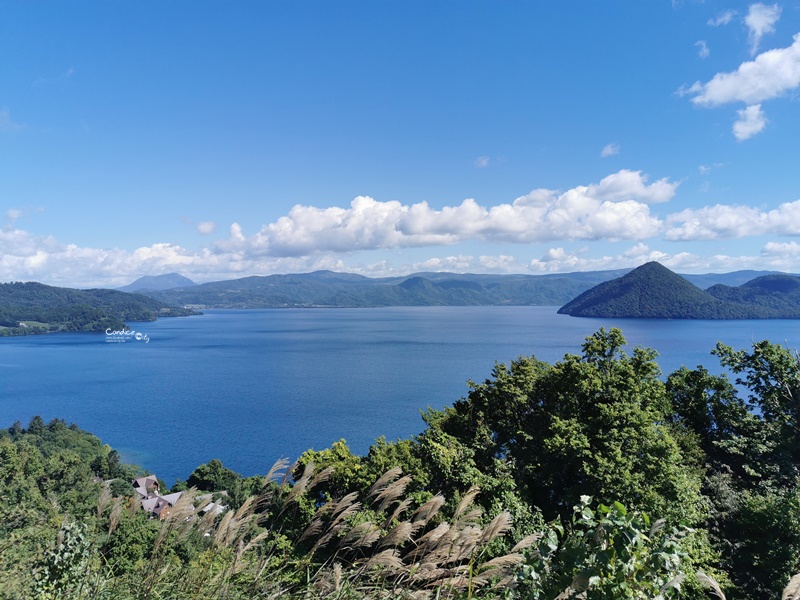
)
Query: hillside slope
[
  {"x": 654, "y": 292},
  {"x": 31, "y": 307},
  {"x": 158, "y": 282},
  {"x": 326, "y": 288}
]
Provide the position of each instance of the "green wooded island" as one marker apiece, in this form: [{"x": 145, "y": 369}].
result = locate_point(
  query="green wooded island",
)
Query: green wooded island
[{"x": 654, "y": 292}]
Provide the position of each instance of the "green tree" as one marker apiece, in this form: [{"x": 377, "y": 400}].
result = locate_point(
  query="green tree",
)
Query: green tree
[
  {"x": 595, "y": 424},
  {"x": 213, "y": 477},
  {"x": 771, "y": 374},
  {"x": 761, "y": 542},
  {"x": 604, "y": 554}
]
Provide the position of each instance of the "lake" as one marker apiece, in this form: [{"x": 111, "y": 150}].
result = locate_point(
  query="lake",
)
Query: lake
[{"x": 251, "y": 386}]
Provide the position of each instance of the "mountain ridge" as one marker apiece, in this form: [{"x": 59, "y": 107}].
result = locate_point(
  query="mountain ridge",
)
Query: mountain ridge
[
  {"x": 166, "y": 281},
  {"x": 332, "y": 289},
  {"x": 652, "y": 291}
]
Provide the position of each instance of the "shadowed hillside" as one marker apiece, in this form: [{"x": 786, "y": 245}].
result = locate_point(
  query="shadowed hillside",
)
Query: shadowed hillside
[
  {"x": 31, "y": 307},
  {"x": 654, "y": 292}
]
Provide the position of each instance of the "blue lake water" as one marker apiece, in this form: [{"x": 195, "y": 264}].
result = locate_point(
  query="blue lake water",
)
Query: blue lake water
[{"x": 250, "y": 386}]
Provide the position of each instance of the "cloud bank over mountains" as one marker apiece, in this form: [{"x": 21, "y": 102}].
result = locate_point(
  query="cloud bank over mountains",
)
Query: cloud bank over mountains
[{"x": 621, "y": 207}]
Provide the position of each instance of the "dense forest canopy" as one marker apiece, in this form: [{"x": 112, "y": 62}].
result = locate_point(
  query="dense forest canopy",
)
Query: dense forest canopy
[
  {"x": 27, "y": 308},
  {"x": 594, "y": 477}
]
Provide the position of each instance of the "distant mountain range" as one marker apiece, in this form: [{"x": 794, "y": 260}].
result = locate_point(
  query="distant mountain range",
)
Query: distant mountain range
[
  {"x": 654, "y": 292},
  {"x": 331, "y": 289},
  {"x": 651, "y": 291},
  {"x": 158, "y": 282}
]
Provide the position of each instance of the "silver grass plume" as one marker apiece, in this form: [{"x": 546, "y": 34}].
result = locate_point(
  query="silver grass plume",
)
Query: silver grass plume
[
  {"x": 428, "y": 510},
  {"x": 710, "y": 584},
  {"x": 792, "y": 591},
  {"x": 103, "y": 501},
  {"x": 384, "y": 480}
]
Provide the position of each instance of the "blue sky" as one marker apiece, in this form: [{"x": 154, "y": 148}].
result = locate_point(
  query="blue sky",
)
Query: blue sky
[{"x": 224, "y": 139}]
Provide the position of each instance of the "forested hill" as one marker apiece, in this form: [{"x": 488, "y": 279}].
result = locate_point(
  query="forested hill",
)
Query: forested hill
[
  {"x": 37, "y": 308},
  {"x": 158, "y": 282},
  {"x": 327, "y": 288},
  {"x": 654, "y": 292}
]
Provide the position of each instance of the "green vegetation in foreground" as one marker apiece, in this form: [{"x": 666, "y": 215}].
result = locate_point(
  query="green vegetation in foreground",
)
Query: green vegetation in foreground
[
  {"x": 29, "y": 308},
  {"x": 654, "y": 292},
  {"x": 589, "y": 478}
]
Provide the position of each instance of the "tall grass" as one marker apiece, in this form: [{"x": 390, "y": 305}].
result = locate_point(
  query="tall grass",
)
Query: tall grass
[{"x": 281, "y": 544}]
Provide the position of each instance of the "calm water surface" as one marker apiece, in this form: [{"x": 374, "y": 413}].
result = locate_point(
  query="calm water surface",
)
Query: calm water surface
[{"x": 250, "y": 386}]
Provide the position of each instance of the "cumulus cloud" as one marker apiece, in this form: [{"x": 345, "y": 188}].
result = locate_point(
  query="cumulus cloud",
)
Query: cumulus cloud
[
  {"x": 760, "y": 20},
  {"x": 482, "y": 162},
  {"x": 751, "y": 122},
  {"x": 206, "y": 227},
  {"x": 617, "y": 208},
  {"x": 632, "y": 184},
  {"x": 784, "y": 249},
  {"x": 609, "y": 150},
  {"x": 723, "y": 221},
  {"x": 770, "y": 75},
  {"x": 614, "y": 208},
  {"x": 459, "y": 263},
  {"x": 773, "y": 256},
  {"x": 702, "y": 49},
  {"x": 558, "y": 260},
  {"x": 722, "y": 18},
  {"x": 26, "y": 257}
]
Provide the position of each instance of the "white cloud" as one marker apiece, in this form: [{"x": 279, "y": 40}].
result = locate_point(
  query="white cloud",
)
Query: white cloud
[
  {"x": 633, "y": 185},
  {"x": 760, "y": 20},
  {"x": 702, "y": 49},
  {"x": 206, "y": 227},
  {"x": 783, "y": 249},
  {"x": 609, "y": 150},
  {"x": 13, "y": 214},
  {"x": 751, "y": 122},
  {"x": 722, "y": 18},
  {"x": 773, "y": 256},
  {"x": 557, "y": 260},
  {"x": 500, "y": 264},
  {"x": 482, "y": 162},
  {"x": 26, "y": 257},
  {"x": 706, "y": 169},
  {"x": 309, "y": 238},
  {"x": 7, "y": 123},
  {"x": 614, "y": 208},
  {"x": 771, "y": 74},
  {"x": 448, "y": 263},
  {"x": 723, "y": 221}
]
